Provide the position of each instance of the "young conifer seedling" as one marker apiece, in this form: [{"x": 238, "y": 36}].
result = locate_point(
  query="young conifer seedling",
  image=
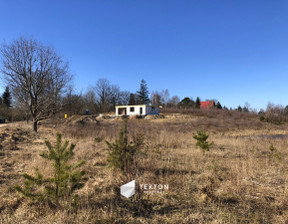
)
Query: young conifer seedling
[
  {"x": 66, "y": 176},
  {"x": 202, "y": 142}
]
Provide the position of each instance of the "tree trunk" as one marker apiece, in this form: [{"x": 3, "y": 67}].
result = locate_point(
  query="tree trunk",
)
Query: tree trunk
[{"x": 35, "y": 127}]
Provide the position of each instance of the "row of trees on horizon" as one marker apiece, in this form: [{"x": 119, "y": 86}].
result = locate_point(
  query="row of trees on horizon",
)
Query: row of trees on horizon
[
  {"x": 38, "y": 86},
  {"x": 104, "y": 96}
]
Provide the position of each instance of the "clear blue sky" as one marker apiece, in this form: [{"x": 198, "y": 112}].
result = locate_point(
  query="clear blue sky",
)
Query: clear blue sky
[{"x": 233, "y": 51}]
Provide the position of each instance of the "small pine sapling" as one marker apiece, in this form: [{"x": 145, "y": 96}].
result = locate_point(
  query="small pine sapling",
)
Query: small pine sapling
[
  {"x": 31, "y": 184},
  {"x": 122, "y": 153},
  {"x": 275, "y": 153},
  {"x": 202, "y": 142},
  {"x": 272, "y": 148},
  {"x": 66, "y": 177}
]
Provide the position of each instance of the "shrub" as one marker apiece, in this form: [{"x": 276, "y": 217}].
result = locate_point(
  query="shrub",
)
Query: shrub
[
  {"x": 275, "y": 153},
  {"x": 98, "y": 139},
  {"x": 122, "y": 154},
  {"x": 272, "y": 148},
  {"x": 202, "y": 142},
  {"x": 66, "y": 177}
]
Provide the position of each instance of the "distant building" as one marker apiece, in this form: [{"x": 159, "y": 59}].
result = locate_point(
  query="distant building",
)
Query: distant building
[
  {"x": 141, "y": 110},
  {"x": 3, "y": 120},
  {"x": 207, "y": 104}
]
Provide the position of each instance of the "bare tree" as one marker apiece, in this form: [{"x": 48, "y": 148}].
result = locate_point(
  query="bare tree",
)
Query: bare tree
[
  {"x": 114, "y": 96},
  {"x": 165, "y": 97},
  {"x": 73, "y": 103},
  {"x": 36, "y": 74},
  {"x": 103, "y": 94},
  {"x": 246, "y": 107},
  {"x": 67, "y": 100},
  {"x": 155, "y": 99},
  {"x": 173, "y": 102},
  {"x": 108, "y": 96},
  {"x": 124, "y": 97},
  {"x": 90, "y": 101},
  {"x": 275, "y": 112}
]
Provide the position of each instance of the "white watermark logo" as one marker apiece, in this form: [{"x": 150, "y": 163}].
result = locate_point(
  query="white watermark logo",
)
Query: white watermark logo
[
  {"x": 128, "y": 190},
  {"x": 154, "y": 188}
]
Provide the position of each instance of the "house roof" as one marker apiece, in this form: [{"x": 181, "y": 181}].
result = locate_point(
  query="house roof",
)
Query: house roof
[
  {"x": 207, "y": 104},
  {"x": 140, "y": 105}
]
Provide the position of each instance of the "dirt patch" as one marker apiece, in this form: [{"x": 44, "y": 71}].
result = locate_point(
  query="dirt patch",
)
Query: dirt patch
[
  {"x": 11, "y": 138},
  {"x": 77, "y": 119},
  {"x": 152, "y": 117}
]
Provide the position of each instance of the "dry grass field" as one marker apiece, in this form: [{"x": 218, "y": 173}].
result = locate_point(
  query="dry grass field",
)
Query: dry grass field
[{"x": 240, "y": 180}]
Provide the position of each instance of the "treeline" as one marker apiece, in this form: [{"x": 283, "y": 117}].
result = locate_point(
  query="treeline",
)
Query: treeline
[
  {"x": 39, "y": 80},
  {"x": 104, "y": 96},
  {"x": 276, "y": 114},
  {"x": 100, "y": 98}
]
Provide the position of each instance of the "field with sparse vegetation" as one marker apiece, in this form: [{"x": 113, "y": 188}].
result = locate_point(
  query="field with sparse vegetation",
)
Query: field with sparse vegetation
[{"x": 242, "y": 178}]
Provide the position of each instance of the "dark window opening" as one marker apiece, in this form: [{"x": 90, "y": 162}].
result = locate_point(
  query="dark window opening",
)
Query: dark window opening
[{"x": 132, "y": 109}]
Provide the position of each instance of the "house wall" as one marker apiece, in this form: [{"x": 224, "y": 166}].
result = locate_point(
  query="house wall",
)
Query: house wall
[
  {"x": 145, "y": 110},
  {"x": 136, "y": 110},
  {"x": 152, "y": 110}
]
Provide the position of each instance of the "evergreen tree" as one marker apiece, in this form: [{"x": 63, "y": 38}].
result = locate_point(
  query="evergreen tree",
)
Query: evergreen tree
[
  {"x": 218, "y": 105},
  {"x": 123, "y": 152},
  {"x": 66, "y": 178},
  {"x": 143, "y": 93},
  {"x": 285, "y": 110},
  {"x": 197, "y": 102},
  {"x": 202, "y": 142},
  {"x": 186, "y": 103},
  {"x": 6, "y": 97},
  {"x": 245, "y": 109},
  {"x": 132, "y": 100}
]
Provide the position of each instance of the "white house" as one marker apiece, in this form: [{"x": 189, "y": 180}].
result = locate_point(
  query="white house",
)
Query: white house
[{"x": 141, "y": 110}]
